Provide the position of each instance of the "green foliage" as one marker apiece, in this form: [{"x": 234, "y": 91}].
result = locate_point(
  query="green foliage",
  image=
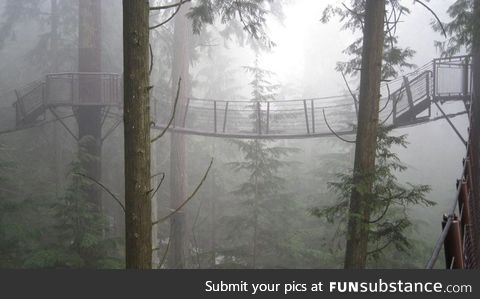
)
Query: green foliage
[
  {"x": 243, "y": 15},
  {"x": 41, "y": 232},
  {"x": 389, "y": 201},
  {"x": 80, "y": 224},
  {"x": 460, "y": 30},
  {"x": 352, "y": 18},
  {"x": 55, "y": 47},
  {"x": 259, "y": 236},
  {"x": 15, "y": 234}
]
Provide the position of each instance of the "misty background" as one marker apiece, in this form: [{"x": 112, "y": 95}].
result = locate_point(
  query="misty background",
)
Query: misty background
[{"x": 303, "y": 63}]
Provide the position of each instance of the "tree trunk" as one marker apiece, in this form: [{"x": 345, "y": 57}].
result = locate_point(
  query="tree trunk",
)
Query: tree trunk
[
  {"x": 57, "y": 145},
  {"x": 89, "y": 117},
  {"x": 476, "y": 109},
  {"x": 364, "y": 166},
  {"x": 138, "y": 216},
  {"x": 178, "y": 180}
]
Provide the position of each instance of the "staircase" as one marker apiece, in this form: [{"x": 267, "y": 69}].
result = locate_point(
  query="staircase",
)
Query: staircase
[
  {"x": 412, "y": 102},
  {"x": 30, "y": 104}
]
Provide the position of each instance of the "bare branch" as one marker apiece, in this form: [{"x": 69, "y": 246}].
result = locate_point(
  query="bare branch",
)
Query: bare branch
[
  {"x": 103, "y": 187},
  {"x": 173, "y": 113},
  {"x": 188, "y": 199},
  {"x": 388, "y": 99},
  {"x": 334, "y": 133},
  {"x": 349, "y": 89},
  {"x": 169, "y": 6},
  {"x": 151, "y": 59},
  {"x": 435, "y": 15},
  {"x": 354, "y": 13},
  {"x": 164, "y": 257},
  {"x": 158, "y": 186},
  {"x": 167, "y": 20}
]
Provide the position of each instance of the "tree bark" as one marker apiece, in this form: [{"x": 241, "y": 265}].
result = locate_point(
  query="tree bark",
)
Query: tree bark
[
  {"x": 89, "y": 116},
  {"x": 476, "y": 110},
  {"x": 178, "y": 180},
  {"x": 364, "y": 166},
  {"x": 138, "y": 216}
]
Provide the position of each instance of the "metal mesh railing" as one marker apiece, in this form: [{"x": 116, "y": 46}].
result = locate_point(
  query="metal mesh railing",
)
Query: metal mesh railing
[
  {"x": 459, "y": 238},
  {"x": 84, "y": 89},
  {"x": 304, "y": 117}
]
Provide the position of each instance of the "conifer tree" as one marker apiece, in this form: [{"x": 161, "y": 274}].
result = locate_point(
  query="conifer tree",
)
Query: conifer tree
[
  {"x": 264, "y": 191},
  {"x": 389, "y": 200}
]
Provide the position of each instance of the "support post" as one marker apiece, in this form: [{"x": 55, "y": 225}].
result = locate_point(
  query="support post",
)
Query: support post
[
  {"x": 306, "y": 116},
  {"x": 453, "y": 244},
  {"x": 406, "y": 82},
  {"x": 259, "y": 119},
  {"x": 464, "y": 204},
  {"x": 466, "y": 76},
  {"x": 225, "y": 117},
  {"x": 434, "y": 77},
  {"x": 215, "y": 116},
  {"x": 313, "y": 116},
  {"x": 268, "y": 118},
  {"x": 186, "y": 112}
]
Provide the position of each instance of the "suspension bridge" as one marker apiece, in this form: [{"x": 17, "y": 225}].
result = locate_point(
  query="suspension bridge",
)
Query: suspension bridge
[{"x": 441, "y": 89}]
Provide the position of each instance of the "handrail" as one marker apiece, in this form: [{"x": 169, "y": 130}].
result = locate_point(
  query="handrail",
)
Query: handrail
[{"x": 441, "y": 240}]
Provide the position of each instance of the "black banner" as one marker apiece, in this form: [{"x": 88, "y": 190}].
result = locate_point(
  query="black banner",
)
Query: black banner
[{"x": 239, "y": 284}]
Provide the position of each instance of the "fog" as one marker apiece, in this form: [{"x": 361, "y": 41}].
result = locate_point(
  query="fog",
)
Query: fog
[{"x": 243, "y": 215}]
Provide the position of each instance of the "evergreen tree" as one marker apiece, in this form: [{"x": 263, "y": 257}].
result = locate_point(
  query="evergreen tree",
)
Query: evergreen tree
[
  {"x": 460, "y": 30},
  {"x": 264, "y": 192},
  {"x": 389, "y": 201},
  {"x": 77, "y": 235},
  {"x": 394, "y": 57}
]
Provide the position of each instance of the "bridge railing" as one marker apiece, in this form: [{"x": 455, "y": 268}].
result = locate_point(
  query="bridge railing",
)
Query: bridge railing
[
  {"x": 77, "y": 89},
  {"x": 30, "y": 99},
  {"x": 459, "y": 238},
  {"x": 452, "y": 78}
]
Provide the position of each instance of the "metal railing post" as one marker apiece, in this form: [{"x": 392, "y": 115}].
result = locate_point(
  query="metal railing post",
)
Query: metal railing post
[{"x": 453, "y": 244}]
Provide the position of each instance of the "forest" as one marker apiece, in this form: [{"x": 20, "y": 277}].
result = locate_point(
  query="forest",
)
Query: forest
[{"x": 239, "y": 134}]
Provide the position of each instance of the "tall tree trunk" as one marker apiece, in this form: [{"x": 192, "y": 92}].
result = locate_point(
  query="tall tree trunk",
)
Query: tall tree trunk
[
  {"x": 138, "y": 215},
  {"x": 212, "y": 243},
  {"x": 178, "y": 179},
  {"x": 364, "y": 166},
  {"x": 476, "y": 107},
  {"x": 89, "y": 117},
  {"x": 57, "y": 145}
]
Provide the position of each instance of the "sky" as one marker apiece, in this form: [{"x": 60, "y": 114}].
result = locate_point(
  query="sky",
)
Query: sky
[{"x": 307, "y": 50}]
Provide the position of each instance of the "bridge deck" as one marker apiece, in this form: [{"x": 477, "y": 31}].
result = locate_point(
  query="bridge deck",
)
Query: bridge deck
[{"x": 405, "y": 101}]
